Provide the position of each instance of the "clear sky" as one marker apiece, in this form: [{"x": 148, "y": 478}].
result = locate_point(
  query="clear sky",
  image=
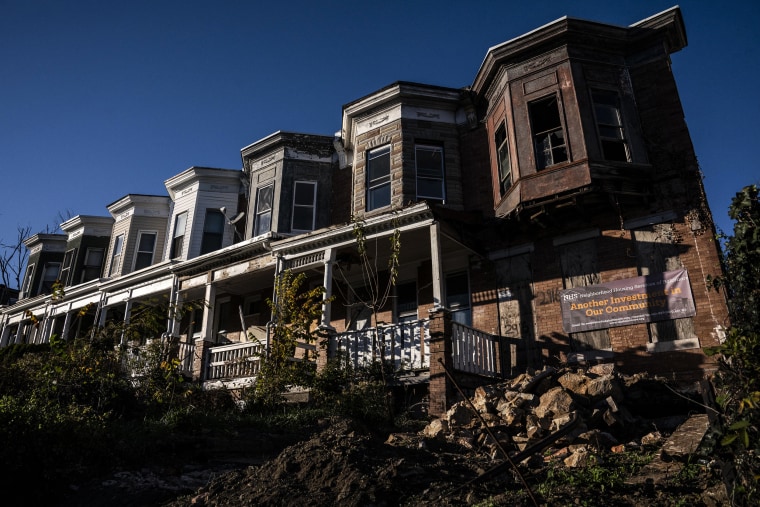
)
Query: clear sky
[{"x": 101, "y": 98}]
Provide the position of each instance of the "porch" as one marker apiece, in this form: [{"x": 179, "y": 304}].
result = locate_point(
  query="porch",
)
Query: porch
[{"x": 414, "y": 347}]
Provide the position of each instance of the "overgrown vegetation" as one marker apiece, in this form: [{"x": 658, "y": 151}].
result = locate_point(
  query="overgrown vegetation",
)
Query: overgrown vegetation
[{"x": 738, "y": 380}]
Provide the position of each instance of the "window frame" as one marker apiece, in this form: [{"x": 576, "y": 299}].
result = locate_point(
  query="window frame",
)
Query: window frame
[
  {"x": 441, "y": 178},
  {"x": 139, "y": 252},
  {"x": 67, "y": 266},
  {"x": 539, "y": 138},
  {"x": 116, "y": 253},
  {"x": 377, "y": 184},
  {"x": 462, "y": 313},
  {"x": 178, "y": 240},
  {"x": 505, "y": 180},
  {"x": 312, "y": 206},
  {"x": 260, "y": 213},
  {"x": 44, "y": 280},
  {"x": 605, "y": 140},
  {"x": 28, "y": 279},
  {"x": 213, "y": 240},
  {"x": 86, "y": 267}
]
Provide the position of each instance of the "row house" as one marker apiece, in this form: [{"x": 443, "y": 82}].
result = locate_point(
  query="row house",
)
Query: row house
[{"x": 552, "y": 211}]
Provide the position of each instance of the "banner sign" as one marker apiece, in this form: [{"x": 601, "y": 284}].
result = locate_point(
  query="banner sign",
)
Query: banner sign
[{"x": 662, "y": 296}]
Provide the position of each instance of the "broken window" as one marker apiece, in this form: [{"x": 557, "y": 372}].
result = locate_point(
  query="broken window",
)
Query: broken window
[
  {"x": 609, "y": 124},
  {"x": 263, "y": 222},
  {"x": 502, "y": 159},
  {"x": 378, "y": 178},
  {"x": 515, "y": 276},
  {"x": 579, "y": 269},
  {"x": 429, "y": 164},
  {"x": 548, "y": 134}
]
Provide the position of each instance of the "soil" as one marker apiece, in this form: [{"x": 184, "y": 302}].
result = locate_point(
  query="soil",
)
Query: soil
[{"x": 342, "y": 462}]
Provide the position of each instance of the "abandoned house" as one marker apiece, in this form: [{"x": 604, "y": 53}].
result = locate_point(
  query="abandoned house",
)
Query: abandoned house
[{"x": 551, "y": 211}]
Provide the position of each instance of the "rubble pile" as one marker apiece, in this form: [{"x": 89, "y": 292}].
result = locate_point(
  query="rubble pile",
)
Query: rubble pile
[{"x": 569, "y": 414}]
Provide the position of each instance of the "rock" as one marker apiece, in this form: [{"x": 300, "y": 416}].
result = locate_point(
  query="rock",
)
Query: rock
[
  {"x": 556, "y": 401},
  {"x": 435, "y": 428},
  {"x": 575, "y": 382},
  {"x": 459, "y": 415},
  {"x": 603, "y": 387}
]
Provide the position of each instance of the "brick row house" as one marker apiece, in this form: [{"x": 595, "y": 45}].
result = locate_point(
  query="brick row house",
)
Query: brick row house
[{"x": 553, "y": 211}]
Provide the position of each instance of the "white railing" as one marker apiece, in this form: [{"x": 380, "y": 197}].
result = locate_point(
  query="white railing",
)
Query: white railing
[
  {"x": 234, "y": 361},
  {"x": 186, "y": 356},
  {"x": 474, "y": 351},
  {"x": 405, "y": 345}
]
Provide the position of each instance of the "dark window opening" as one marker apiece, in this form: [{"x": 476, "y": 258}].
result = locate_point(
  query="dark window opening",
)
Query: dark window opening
[
  {"x": 304, "y": 204},
  {"x": 609, "y": 123},
  {"x": 430, "y": 180},
  {"x": 502, "y": 158},
  {"x": 178, "y": 238},
  {"x": 213, "y": 231},
  {"x": 146, "y": 245},
  {"x": 548, "y": 134}
]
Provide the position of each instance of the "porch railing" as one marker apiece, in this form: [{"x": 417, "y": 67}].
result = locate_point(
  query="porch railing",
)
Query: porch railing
[
  {"x": 186, "y": 356},
  {"x": 405, "y": 345},
  {"x": 234, "y": 361},
  {"x": 479, "y": 352}
]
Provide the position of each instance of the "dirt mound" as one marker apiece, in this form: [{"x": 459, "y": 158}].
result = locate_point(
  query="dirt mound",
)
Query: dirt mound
[{"x": 345, "y": 464}]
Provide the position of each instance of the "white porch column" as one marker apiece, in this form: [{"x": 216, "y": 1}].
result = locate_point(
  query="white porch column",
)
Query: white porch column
[
  {"x": 127, "y": 312},
  {"x": 435, "y": 257},
  {"x": 327, "y": 306},
  {"x": 175, "y": 299},
  {"x": 66, "y": 324},
  {"x": 5, "y": 335},
  {"x": 207, "y": 328}
]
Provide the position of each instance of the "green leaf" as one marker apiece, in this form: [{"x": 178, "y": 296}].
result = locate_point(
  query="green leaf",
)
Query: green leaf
[{"x": 739, "y": 425}]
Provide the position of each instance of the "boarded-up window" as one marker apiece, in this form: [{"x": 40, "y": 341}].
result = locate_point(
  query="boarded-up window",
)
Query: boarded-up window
[
  {"x": 657, "y": 251},
  {"x": 515, "y": 277},
  {"x": 579, "y": 268}
]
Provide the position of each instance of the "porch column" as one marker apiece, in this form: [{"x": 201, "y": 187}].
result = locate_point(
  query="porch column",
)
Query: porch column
[
  {"x": 207, "y": 328},
  {"x": 6, "y": 334},
  {"x": 175, "y": 300},
  {"x": 327, "y": 306},
  {"x": 66, "y": 324},
  {"x": 435, "y": 257},
  {"x": 127, "y": 312},
  {"x": 441, "y": 391}
]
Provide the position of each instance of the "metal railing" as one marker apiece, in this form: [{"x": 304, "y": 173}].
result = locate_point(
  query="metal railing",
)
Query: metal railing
[
  {"x": 405, "y": 345},
  {"x": 235, "y": 360}
]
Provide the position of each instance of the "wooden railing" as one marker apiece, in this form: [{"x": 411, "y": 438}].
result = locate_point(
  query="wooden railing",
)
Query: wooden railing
[
  {"x": 186, "y": 356},
  {"x": 478, "y": 352},
  {"x": 235, "y": 360},
  {"x": 405, "y": 345}
]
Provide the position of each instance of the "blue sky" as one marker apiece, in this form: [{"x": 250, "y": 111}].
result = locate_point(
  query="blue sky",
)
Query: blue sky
[{"x": 99, "y": 99}]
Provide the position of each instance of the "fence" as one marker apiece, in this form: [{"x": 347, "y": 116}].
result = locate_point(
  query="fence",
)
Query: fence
[{"x": 479, "y": 352}]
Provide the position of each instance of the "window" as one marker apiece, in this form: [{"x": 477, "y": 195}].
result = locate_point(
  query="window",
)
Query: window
[
  {"x": 406, "y": 301},
  {"x": 146, "y": 245},
  {"x": 458, "y": 298},
  {"x": 430, "y": 182},
  {"x": 304, "y": 205},
  {"x": 118, "y": 245},
  {"x": 548, "y": 135},
  {"x": 609, "y": 123},
  {"x": 263, "y": 222},
  {"x": 378, "y": 178},
  {"x": 49, "y": 276},
  {"x": 68, "y": 266},
  {"x": 93, "y": 262},
  {"x": 502, "y": 159},
  {"x": 178, "y": 238},
  {"x": 28, "y": 280},
  {"x": 213, "y": 231}
]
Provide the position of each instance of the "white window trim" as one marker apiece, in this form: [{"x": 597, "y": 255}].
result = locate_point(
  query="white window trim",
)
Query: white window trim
[
  {"x": 368, "y": 184},
  {"x": 114, "y": 255},
  {"x": 442, "y": 198},
  {"x": 137, "y": 248}
]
